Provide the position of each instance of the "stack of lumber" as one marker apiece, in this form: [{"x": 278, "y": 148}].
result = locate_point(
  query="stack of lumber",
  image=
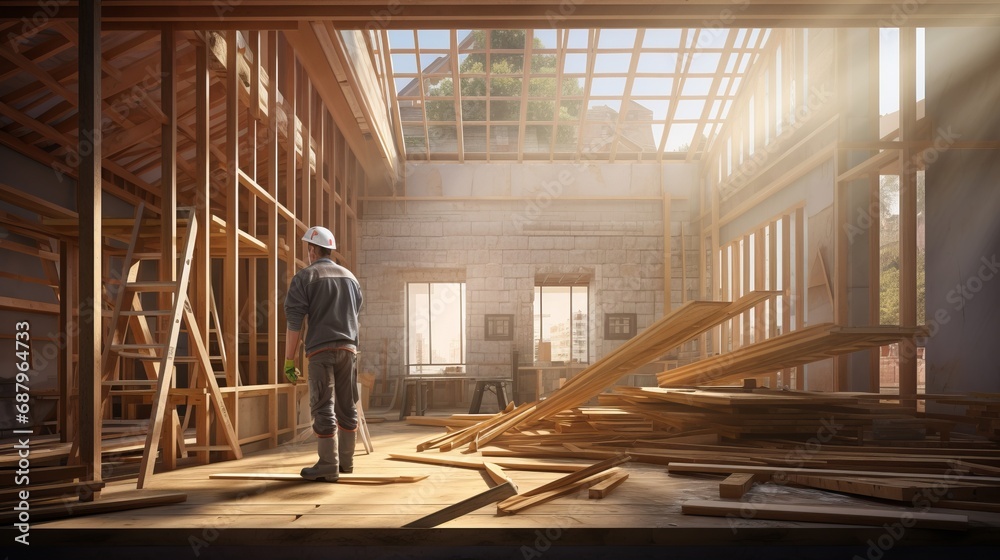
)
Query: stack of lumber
[
  {"x": 762, "y": 412},
  {"x": 817, "y": 440},
  {"x": 982, "y": 409},
  {"x": 795, "y": 348},
  {"x": 676, "y": 328},
  {"x": 862, "y": 444},
  {"x": 685, "y": 323}
]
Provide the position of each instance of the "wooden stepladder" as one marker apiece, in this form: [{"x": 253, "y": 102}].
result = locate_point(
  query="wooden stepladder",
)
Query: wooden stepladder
[{"x": 157, "y": 348}]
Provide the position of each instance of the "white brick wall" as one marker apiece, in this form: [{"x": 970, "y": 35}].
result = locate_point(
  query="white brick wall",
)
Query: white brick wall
[{"x": 499, "y": 246}]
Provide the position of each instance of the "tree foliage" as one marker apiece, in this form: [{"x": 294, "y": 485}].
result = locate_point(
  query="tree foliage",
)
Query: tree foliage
[{"x": 504, "y": 80}]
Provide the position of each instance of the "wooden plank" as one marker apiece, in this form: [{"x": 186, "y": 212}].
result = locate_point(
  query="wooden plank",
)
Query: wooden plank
[
  {"x": 736, "y": 485},
  {"x": 517, "y": 504},
  {"x": 495, "y": 472},
  {"x": 793, "y": 349},
  {"x": 799, "y": 294},
  {"x": 703, "y": 468},
  {"x": 496, "y": 494},
  {"x": 581, "y": 474},
  {"x": 343, "y": 478},
  {"x": 827, "y": 514},
  {"x": 68, "y": 382},
  {"x": 231, "y": 270},
  {"x": 75, "y": 490},
  {"x": 685, "y": 323},
  {"x": 110, "y": 505},
  {"x": 273, "y": 236},
  {"x": 603, "y": 488},
  {"x": 17, "y": 304},
  {"x": 89, "y": 205},
  {"x": 44, "y": 474},
  {"x": 522, "y": 465}
]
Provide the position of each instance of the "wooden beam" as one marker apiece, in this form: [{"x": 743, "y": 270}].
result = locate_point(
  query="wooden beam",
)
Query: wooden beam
[
  {"x": 801, "y": 270},
  {"x": 826, "y": 514},
  {"x": 601, "y": 490},
  {"x": 736, "y": 485},
  {"x": 907, "y": 215},
  {"x": 498, "y": 493},
  {"x": 109, "y": 505},
  {"x": 273, "y": 239},
  {"x": 67, "y": 324},
  {"x": 231, "y": 270},
  {"x": 343, "y": 478},
  {"x": 517, "y": 504},
  {"x": 202, "y": 262},
  {"x": 89, "y": 231}
]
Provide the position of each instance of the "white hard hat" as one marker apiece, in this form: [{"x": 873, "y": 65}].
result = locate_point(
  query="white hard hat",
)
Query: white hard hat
[{"x": 321, "y": 237}]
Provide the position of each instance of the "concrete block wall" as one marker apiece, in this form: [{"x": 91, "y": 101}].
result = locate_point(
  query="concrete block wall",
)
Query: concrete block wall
[{"x": 505, "y": 224}]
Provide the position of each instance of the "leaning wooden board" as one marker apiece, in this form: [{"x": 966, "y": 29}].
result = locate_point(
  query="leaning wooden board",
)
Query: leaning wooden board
[
  {"x": 75, "y": 508},
  {"x": 826, "y": 514},
  {"x": 344, "y": 478}
]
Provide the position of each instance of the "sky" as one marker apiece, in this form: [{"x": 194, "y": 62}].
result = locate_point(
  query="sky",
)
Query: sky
[{"x": 576, "y": 63}]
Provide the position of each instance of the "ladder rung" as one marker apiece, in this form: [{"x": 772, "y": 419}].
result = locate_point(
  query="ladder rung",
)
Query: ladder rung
[
  {"x": 138, "y": 356},
  {"x": 152, "y": 286},
  {"x": 186, "y": 359},
  {"x": 147, "y": 312},
  {"x": 138, "y": 346},
  {"x": 130, "y": 382},
  {"x": 207, "y": 448}
]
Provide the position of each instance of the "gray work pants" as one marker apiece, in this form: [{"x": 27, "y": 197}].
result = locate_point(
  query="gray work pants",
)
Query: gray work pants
[{"x": 333, "y": 387}]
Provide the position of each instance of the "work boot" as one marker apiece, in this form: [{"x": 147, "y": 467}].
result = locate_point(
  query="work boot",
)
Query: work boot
[
  {"x": 347, "y": 441},
  {"x": 325, "y": 470}
]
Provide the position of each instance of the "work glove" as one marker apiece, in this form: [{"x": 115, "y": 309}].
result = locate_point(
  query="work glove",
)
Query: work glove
[{"x": 292, "y": 373}]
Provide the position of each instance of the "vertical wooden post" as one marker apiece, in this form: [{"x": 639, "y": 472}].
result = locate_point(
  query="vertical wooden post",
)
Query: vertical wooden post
[
  {"x": 291, "y": 228},
  {"x": 253, "y": 115},
  {"x": 723, "y": 288},
  {"x": 760, "y": 310},
  {"x": 230, "y": 274},
  {"x": 273, "y": 358},
  {"x": 168, "y": 214},
  {"x": 202, "y": 261},
  {"x": 321, "y": 185},
  {"x": 735, "y": 277},
  {"x": 89, "y": 231},
  {"x": 874, "y": 237},
  {"x": 667, "y": 256},
  {"x": 874, "y": 281},
  {"x": 307, "y": 96},
  {"x": 907, "y": 215},
  {"x": 842, "y": 60},
  {"x": 67, "y": 319},
  {"x": 334, "y": 185},
  {"x": 744, "y": 288},
  {"x": 799, "y": 293},
  {"x": 772, "y": 278},
  {"x": 786, "y": 288}
]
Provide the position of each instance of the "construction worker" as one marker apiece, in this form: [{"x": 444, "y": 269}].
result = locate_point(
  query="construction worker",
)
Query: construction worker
[{"x": 330, "y": 296}]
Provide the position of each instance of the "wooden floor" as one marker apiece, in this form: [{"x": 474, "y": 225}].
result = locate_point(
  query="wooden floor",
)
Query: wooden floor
[{"x": 268, "y": 519}]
